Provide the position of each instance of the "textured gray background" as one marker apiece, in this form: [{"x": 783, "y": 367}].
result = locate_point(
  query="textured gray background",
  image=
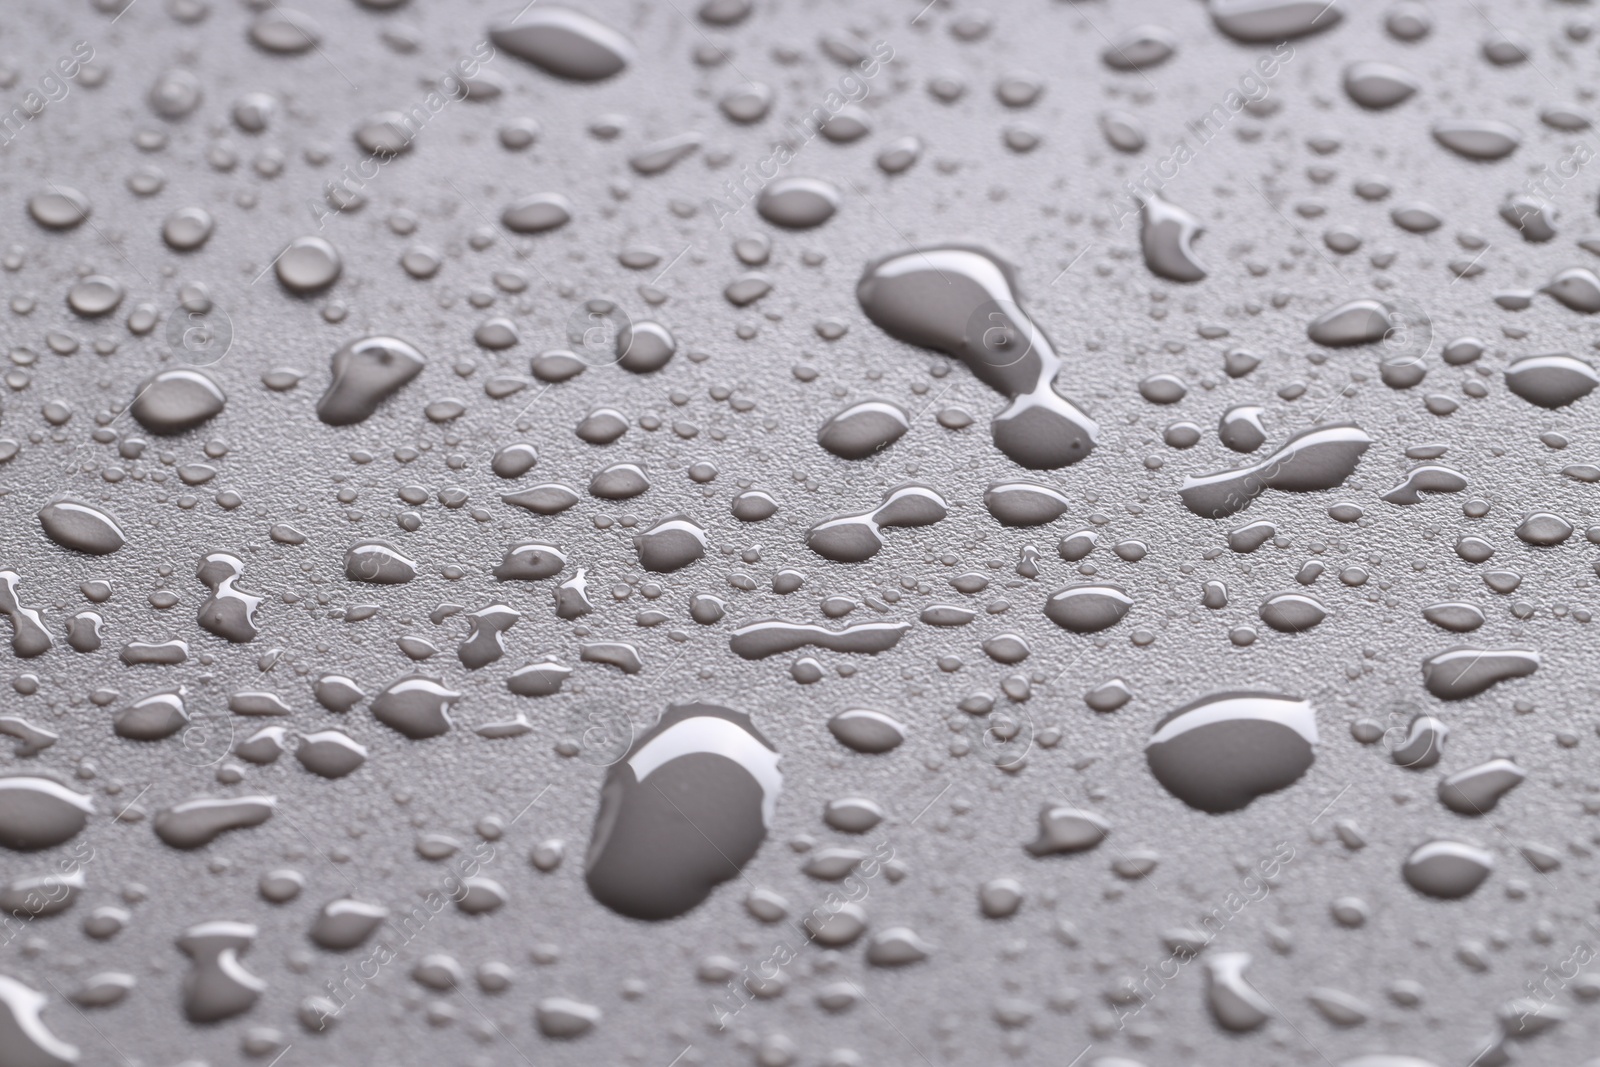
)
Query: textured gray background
[{"x": 1114, "y": 324}]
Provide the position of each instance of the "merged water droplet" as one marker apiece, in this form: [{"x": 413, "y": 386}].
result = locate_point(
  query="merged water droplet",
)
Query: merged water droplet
[
  {"x": 962, "y": 300},
  {"x": 29, "y": 637},
  {"x": 217, "y": 986},
  {"x": 23, "y": 1033},
  {"x": 858, "y": 537},
  {"x": 227, "y": 612},
  {"x": 1428, "y": 478},
  {"x": 1319, "y": 458},
  {"x": 198, "y": 821},
  {"x": 1166, "y": 236}
]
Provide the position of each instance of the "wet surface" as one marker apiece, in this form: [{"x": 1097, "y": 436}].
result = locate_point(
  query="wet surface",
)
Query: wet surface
[{"x": 742, "y": 532}]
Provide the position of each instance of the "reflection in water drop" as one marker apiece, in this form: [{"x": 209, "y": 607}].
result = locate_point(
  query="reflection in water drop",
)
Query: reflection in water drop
[
  {"x": 366, "y": 372},
  {"x": 1448, "y": 870},
  {"x": 172, "y": 401},
  {"x": 683, "y": 812},
  {"x": 798, "y": 203},
  {"x": 39, "y": 813},
  {"x": 1551, "y": 381},
  {"x": 863, "y": 429},
  {"x": 564, "y": 42},
  {"x": 1266, "y": 21},
  {"x": 671, "y": 544},
  {"x": 868, "y": 731},
  {"x": 29, "y": 638},
  {"x": 963, "y": 301},
  {"x": 1463, "y": 671},
  {"x": 1022, "y": 503},
  {"x": 1319, "y": 458},
  {"x": 1087, "y": 609},
  {"x": 1222, "y": 751},
  {"x": 217, "y": 985}
]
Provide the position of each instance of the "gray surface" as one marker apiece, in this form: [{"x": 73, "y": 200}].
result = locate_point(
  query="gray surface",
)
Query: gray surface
[{"x": 1113, "y": 323}]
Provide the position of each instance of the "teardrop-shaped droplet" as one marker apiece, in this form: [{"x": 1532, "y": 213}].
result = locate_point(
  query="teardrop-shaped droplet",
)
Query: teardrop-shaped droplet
[{"x": 366, "y": 372}]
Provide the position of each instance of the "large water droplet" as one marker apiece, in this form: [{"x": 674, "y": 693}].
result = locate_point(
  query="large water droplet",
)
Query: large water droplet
[
  {"x": 366, "y": 372},
  {"x": 40, "y": 813},
  {"x": 172, "y": 401},
  {"x": 1222, "y": 751},
  {"x": 564, "y": 42},
  {"x": 683, "y": 812}
]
